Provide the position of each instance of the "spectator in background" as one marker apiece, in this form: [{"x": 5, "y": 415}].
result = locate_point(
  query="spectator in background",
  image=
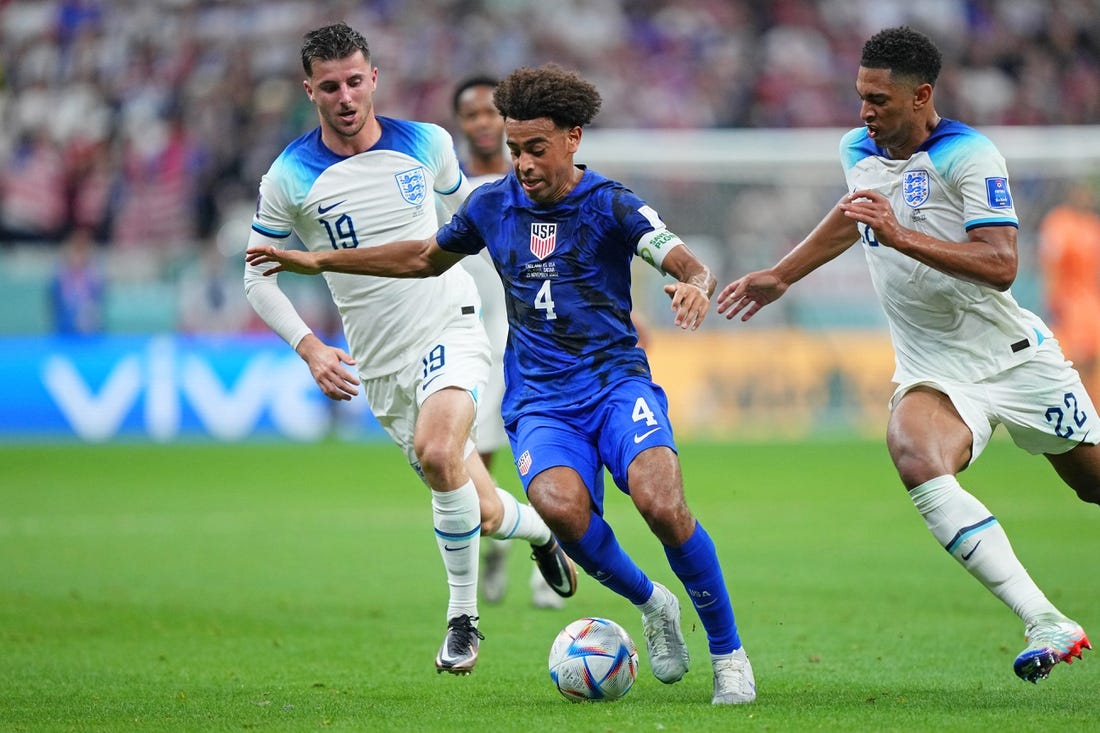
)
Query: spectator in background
[
  {"x": 1069, "y": 258},
  {"x": 77, "y": 289},
  {"x": 210, "y": 296},
  {"x": 123, "y": 72},
  {"x": 33, "y": 191},
  {"x": 159, "y": 166}
]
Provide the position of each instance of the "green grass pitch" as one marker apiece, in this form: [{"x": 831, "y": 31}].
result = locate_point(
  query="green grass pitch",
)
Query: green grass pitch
[{"x": 283, "y": 587}]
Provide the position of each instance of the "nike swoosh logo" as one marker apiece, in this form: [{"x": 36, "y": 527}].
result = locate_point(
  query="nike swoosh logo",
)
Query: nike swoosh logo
[
  {"x": 643, "y": 436},
  {"x": 972, "y": 550},
  {"x": 325, "y": 209},
  {"x": 448, "y": 548},
  {"x": 425, "y": 384}
]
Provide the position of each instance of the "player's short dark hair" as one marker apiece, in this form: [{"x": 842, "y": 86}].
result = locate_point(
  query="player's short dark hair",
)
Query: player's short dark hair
[
  {"x": 480, "y": 80},
  {"x": 905, "y": 52},
  {"x": 548, "y": 91},
  {"x": 332, "y": 42}
]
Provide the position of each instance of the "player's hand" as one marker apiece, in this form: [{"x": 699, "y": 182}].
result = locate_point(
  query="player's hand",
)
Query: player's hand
[
  {"x": 875, "y": 210},
  {"x": 326, "y": 365},
  {"x": 749, "y": 294},
  {"x": 690, "y": 304},
  {"x": 286, "y": 260}
]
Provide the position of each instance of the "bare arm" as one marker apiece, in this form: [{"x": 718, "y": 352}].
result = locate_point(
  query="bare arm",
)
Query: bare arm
[
  {"x": 832, "y": 235},
  {"x": 695, "y": 284},
  {"x": 405, "y": 259},
  {"x": 989, "y": 257}
]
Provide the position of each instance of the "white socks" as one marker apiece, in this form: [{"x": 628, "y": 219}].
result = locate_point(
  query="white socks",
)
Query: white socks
[
  {"x": 457, "y": 518},
  {"x": 968, "y": 531},
  {"x": 520, "y": 522}
]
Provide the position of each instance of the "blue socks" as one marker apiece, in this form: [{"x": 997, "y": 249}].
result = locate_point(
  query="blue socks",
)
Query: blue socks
[
  {"x": 696, "y": 565},
  {"x": 600, "y": 555}
]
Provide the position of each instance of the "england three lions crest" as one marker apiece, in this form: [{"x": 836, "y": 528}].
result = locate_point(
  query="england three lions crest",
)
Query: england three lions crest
[
  {"x": 413, "y": 185},
  {"x": 543, "y": 239},
  {"x": 914, "y": 188}
]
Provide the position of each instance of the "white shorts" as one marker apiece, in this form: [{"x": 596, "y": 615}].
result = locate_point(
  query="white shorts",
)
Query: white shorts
[
  {"x": 490, "y": 424},
  {"x": 1042, "y": 404},
  {"x": 458, "y": 358},
  {"x": 490, "y": 435}
]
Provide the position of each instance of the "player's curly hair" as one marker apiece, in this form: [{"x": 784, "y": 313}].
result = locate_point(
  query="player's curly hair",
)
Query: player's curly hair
[
  {"x": 905, "y": 52},
  {"x": 332, "y": 42},
  {"x": 548, "y": 91}
]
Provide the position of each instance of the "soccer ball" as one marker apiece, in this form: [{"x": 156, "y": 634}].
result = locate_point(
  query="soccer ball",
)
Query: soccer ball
[{"x": 593, "y": 659}]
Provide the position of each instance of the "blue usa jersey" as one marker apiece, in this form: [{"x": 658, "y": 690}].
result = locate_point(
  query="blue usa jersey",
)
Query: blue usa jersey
[{"x": 566, "y": 275}]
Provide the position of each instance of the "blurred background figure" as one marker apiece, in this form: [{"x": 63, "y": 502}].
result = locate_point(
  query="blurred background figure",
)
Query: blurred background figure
[
  {"x": 211, "y": 299},
  {"x": 77, "y": 289},
  {"x": 1069, "y": 259},
  {"x": 32, "y": 191},
  {"x": 482, "y": 152}
]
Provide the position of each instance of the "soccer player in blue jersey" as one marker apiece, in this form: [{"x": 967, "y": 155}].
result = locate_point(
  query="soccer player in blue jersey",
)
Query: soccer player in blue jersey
[
  {"x": 929, "y": 201},
  {"x": 486, "y": 159},
  {"x": 420, "y": 350},
  {"x": 579, "y": 395}
]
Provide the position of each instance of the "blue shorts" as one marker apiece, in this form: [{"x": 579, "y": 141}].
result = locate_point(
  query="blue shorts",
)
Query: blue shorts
[{"x": 607, "y": 431}]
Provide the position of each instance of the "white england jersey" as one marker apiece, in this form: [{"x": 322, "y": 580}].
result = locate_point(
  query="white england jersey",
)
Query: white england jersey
[
  {"x": 489, "y": 287},
  {"x": 941, "y": 326},
  {"x": 379, "y": 196},
  {"x": 491, "y": 435}
]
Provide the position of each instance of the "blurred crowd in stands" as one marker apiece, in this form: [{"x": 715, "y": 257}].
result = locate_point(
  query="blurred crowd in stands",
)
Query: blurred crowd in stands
[{"x": 145, "y": 125}]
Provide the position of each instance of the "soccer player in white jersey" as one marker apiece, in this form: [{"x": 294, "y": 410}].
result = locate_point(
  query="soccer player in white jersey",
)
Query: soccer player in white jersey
[
  {"x": 422, "y": 356},
  {"x": 930, "y": 204},
  {"x": 486, "y": 159}
]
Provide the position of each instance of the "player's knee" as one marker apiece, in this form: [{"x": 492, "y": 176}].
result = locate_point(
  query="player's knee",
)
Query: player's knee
[
  {"x": 439, "y": 462},
  {"x": 916, "y": 465},
  {"x": 667, "y": 516},
  {"x": 567, "y": 526},
  {"x": 564, "y": 505}
]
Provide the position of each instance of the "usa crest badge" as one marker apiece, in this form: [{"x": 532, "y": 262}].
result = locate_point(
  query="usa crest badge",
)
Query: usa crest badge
[
  {"x": 914, "y": 188},
  {"x": 413, "y": 185},
  {"x": 524, "y": 463},
  {"x": 544, "y": 237}
]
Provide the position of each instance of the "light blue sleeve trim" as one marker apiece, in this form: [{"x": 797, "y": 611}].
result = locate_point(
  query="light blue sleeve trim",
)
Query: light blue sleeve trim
[
  {"x": 257, "y": 227},
  {"x": 992, "y": 222},
  {"x": 461, "y": 178}
]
